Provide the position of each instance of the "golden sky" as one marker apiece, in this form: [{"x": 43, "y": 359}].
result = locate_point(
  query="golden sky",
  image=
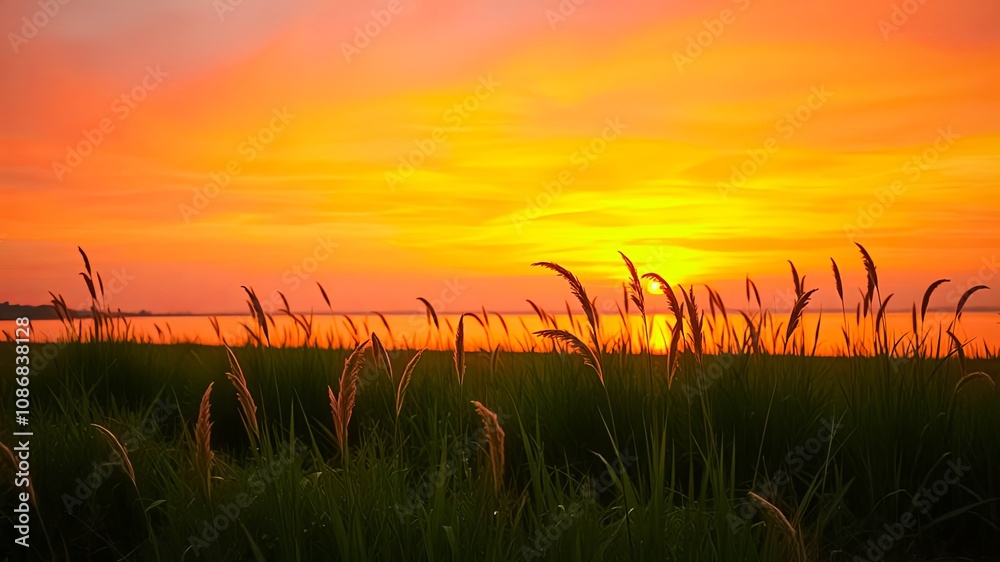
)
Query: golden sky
[{"x": 394, "y": 149}]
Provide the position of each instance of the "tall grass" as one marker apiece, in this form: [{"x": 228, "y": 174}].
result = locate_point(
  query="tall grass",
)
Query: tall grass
[{"x": 714, "y": 460}]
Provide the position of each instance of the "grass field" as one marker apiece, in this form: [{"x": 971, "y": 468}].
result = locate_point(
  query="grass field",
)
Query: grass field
[
  {"x": 588, "y": 452},
  {"x": 839, "y": 445}
]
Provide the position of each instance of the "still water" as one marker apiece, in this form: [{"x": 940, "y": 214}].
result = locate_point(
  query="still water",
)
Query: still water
[{"x": 515, "y": 331}]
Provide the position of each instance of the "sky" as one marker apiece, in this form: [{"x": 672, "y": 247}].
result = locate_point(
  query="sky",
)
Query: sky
[{"x": 437, "y": 148}]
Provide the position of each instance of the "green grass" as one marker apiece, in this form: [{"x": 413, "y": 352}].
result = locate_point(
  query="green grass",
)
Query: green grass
[{"x": 630, "y": 471}]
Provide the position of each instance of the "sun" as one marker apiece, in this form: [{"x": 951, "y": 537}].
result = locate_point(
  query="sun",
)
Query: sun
[{"x": 655, "y": 288}]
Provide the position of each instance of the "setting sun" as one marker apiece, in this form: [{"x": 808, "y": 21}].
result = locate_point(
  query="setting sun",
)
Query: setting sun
[
  {"x": 400, "y": 148},
  {"x": 494, "y": 280}
]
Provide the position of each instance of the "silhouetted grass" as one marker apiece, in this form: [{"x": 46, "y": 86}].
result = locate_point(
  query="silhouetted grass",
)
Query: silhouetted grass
[
  {"x": 421, "y": 487},
  {"x": 721, "y": 449}
]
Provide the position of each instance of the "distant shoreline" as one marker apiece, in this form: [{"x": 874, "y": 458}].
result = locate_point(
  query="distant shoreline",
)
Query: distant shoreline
[{"x": 47, "y": 312}]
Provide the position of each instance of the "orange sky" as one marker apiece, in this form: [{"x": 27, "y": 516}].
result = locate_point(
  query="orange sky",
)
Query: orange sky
[{"x": 454, "y": 143}]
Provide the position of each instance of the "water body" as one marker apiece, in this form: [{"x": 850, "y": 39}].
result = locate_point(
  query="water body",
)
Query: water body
[{"x": 515, "y": 331}]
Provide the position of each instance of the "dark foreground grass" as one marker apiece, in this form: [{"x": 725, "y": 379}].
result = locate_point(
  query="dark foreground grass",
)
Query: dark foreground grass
[{"x": 855, "y": 459}]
